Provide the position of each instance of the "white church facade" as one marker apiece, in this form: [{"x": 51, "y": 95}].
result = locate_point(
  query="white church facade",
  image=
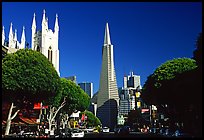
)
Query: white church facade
[
  {"x": 44, "y": 40},
  {"x": 13, "y": 44}
]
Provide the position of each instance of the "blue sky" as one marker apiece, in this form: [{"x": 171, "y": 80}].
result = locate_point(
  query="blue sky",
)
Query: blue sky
[{"x": 144, "y": 34}]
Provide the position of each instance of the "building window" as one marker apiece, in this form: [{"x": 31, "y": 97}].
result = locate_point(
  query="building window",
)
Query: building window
[
  {"x": 38, "y": 48},
  {"x": 50, "y": 54}
]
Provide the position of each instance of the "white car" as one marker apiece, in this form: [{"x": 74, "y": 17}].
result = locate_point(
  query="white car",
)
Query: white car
[
  {"x": 77, "y": 133},
  {"x": 105, "y": 129},
  {"x": 89, "y": 129}
]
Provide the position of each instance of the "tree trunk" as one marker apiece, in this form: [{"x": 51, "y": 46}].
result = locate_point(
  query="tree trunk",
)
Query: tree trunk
[
  {"x": 8, "y": 125},
  {"x": 53, "y": 114},
  {"x": 8, "y": 122},
  {"x": 50, "y": 125},
  {"x": 63, "y": 124}
]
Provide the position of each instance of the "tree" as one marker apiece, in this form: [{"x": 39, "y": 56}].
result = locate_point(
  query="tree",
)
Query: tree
[
  {"x": 174, "y": 84},
  {"x": 157, "y": 89},
  {"x": 135, "y": 119},
  {"x": 29, "y": 74},
  {"x": 197, "y": 54},
  {"x": 27, "y": 77},
  {"x": 76, "y": 98},
  {"x": 53, "y": 112},
  {"x": 91, "y": 120},
  {"x": 197, "y": 73},
  {"x": 8, "y": 122}
]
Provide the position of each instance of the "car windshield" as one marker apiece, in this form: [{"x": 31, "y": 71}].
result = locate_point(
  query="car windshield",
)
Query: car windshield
[{"x": 76, "y": 131}]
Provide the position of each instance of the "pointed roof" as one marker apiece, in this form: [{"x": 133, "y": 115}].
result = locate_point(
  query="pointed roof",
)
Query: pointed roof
[
  {"x": 3, "y": 30},
  {"x": 11, "y": 31},
  {"x": 15, "y": 36},
  {"x": 44, "y": 19},
  {"x": 3, "y": 36},
  {"x": 34, "y": 22},
  {"x": 107, "y": 40},
  {"x": 56, "y": 22},
  {"x": 23, "y": 35}
]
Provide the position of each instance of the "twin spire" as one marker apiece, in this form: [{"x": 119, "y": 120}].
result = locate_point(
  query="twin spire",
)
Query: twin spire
[{"x": 45, "y": 21}]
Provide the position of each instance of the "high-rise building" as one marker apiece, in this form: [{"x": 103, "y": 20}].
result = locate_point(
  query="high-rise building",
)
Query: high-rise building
[
  {"x": 127, "y": 101},
  {"x": 130, "y": 94},
  {"x": 87, "y": 87},
  {"x": 108, "y": 99},
  {"x": 46, "y": 40},
  {"x": 131, "y": 81}
]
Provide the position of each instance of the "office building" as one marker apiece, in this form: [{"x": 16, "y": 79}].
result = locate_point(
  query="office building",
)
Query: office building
[
  {"x": 108, "y": 99},
  {"x": 87, "y": 87}
]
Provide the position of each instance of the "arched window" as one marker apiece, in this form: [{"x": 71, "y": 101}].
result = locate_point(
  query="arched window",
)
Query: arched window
[
  {"x": 50, "y": 54},
  {"x": 38, "y": 48}
]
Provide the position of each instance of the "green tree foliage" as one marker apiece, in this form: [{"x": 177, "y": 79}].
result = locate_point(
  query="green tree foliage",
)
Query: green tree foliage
[
  {"x": 28, "y": 74},
  {"x": 196, "y": 74},
  {"x": 158, "y": 89},
  {"x": 76, "y": 98},
  {"x": 178, "y": 84},
  {"x": 92, "y": 120}
]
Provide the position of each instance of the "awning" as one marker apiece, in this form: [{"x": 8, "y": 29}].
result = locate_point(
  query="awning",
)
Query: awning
[
  {"x": 31, "y": 121},
  {"x": 28, "y": 121},
  {"x": 13, "y": 123},
  {"x": 24, "y": 121}
]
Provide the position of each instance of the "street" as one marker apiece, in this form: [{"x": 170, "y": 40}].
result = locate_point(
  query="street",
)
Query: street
[{"x": 111, "y": 134}]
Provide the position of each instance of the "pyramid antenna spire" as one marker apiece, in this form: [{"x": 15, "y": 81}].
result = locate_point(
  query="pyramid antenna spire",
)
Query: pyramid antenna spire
[{"x": 107, "y": 35}]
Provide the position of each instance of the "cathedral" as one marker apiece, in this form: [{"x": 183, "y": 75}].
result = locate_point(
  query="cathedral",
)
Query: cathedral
[{"x": 44, "y": 40}]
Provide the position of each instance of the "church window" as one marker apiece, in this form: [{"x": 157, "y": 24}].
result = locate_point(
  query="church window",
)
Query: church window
[
  {"x": 38, "y": 48},
  {"x": 50, "y": 54}
]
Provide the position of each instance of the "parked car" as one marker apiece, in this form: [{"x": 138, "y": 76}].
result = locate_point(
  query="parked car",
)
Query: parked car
[
  {"x": 89, "y": 129},
  {"x": 77, "y": 133},
  {"x": 105, "y": 129}
]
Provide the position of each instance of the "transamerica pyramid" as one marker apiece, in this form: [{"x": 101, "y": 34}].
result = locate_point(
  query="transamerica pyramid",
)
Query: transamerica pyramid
[{"x": 108, "y": 99}]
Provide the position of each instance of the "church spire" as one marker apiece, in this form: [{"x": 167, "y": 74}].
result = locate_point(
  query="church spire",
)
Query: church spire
[
  {"x": 15, "y": 39},
  {"x": 3, "y": 36},
  {"x": 44, "y": 19},
  {"x": 15, "y": 36},
  {"x": 23, "y": 39},
  {"x": 11, "y": 43},
  {"x": 56, "y": 24},
  {"x": 34, "y": 22},
  {"x": 44, "y": 22},
  {"x": 33, "y": 31},
  {"x": 11, "y": 32},
  {"x": 107, "y": 36}
]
